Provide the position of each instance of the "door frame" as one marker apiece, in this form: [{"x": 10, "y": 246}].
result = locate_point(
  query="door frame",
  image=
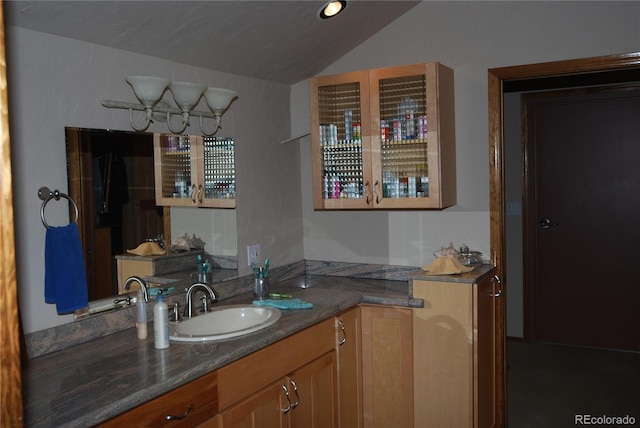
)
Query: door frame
[{"x": 557, "y": 74}]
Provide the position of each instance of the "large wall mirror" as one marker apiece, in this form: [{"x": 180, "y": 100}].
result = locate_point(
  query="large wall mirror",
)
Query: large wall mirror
[{"x": 111, "y": 178}]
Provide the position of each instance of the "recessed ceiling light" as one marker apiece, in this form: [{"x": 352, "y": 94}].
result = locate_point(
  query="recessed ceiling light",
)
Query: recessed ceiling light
[{"x": 331, "y": 9}]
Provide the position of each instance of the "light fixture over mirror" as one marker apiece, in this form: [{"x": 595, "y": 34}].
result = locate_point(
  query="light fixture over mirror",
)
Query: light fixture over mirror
[{"x": 149, "y": 91}]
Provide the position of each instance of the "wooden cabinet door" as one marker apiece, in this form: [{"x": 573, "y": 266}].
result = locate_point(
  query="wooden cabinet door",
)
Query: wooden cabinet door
[
  {"x": 485, "y": 354},
  {"x": 313, "y": 392},
  {"x": 341, "y": 160},
  {"x": 265, "y": 409},
  {"x": 387, "y": 367},
  {"x": 349, "y": 369}
]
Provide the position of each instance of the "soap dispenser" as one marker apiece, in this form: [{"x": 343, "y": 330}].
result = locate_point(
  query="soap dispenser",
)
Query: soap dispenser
[{"x": 161, "y": 323}]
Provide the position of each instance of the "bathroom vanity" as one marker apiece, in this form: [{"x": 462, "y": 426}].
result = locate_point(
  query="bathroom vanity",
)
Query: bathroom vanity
[{"x": 334, "y": 363}]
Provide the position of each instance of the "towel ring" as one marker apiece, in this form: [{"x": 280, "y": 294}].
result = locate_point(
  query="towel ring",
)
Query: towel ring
[{"x": 46, "y": 195}]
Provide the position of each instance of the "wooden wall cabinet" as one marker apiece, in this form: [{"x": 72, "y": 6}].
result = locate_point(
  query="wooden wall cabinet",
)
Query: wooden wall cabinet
[
  {"x": 194, "y": 171},
  {"x": 384, "y": 138},
  {"x": 454, "y": 353},
  {"x": 387, "y": 368}
]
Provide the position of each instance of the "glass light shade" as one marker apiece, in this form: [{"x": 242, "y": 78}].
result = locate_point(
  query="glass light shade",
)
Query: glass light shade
[
  {"x": 148, "y": 89},
  {"x": 186, "y": 94},
  {"x": 218, "y": 99}
]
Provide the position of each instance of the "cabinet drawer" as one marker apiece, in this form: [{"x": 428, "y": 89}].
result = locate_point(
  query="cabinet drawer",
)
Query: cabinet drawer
[
  {"x": 256, "y": 371},
  {"x": 201, "y": 395}
]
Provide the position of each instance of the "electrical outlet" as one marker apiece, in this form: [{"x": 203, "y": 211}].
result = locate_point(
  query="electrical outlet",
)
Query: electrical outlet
[{"x": 253, "y": 254}]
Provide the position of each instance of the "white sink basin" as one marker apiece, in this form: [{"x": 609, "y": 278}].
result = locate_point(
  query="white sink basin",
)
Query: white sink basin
[{"x": 224, "y": 323}]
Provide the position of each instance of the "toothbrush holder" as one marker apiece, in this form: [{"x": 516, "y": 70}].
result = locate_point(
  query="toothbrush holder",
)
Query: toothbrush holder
[{"x": 261, "y": 288}]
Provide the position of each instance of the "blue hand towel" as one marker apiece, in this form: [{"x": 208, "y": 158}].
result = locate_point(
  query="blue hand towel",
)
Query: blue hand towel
[
  {"x": 284, "y": 303},
  {"x": 65, "y": 279}
]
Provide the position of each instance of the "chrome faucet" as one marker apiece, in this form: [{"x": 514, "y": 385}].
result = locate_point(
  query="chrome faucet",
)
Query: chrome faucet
[
  {"x": 140, "y": 281},
  {"x": 191, "y": 291}
]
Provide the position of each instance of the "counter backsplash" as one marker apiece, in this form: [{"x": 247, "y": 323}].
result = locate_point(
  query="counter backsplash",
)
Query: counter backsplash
[{"x": 92, "y": 327}]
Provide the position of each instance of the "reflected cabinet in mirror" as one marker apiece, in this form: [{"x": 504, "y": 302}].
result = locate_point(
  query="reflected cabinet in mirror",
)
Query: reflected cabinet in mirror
[{"x": 111, "y": 178}]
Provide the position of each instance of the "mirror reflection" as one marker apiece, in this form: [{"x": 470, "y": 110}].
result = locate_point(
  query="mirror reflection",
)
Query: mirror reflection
[
  {"x": 112, "y": 179},
  {"x": 110, "y": 176}
]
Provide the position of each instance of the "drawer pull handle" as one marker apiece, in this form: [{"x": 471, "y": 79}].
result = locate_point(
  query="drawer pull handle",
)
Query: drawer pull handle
[
  {"x": 344, "y": 333},
  {"x": 286, "y": 392},
  {"x": 177, "y": 418},
  {"x": 295, "y": 389}
]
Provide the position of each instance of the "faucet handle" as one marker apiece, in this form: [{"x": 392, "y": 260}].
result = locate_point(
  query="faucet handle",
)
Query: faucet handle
[
  {"x": 124, "y": 299},
  {"x": 174, "y": 313},
  {"x": 205, "y": 303}
]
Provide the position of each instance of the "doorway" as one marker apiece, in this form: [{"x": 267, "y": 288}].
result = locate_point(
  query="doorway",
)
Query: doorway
[{"x": 545, "y": 76}]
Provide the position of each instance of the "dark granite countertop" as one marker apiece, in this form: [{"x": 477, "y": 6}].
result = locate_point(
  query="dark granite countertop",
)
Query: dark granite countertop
[{"x": 86, "y": 384}]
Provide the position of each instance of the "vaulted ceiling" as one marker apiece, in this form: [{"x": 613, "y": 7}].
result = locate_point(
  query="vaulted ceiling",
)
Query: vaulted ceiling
[{"x": 280, "y": 41}]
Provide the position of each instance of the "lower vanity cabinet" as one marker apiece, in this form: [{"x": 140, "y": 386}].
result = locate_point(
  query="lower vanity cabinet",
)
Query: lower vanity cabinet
[
  {"x": 454, "y": 353},
  {"x": 292, "y": 383},
  {"x": 387, "y": 367},
  {"x": 305, "y": 398},
  {"x": 349, "y": 353},
  {"x": 185, "y": 406}
]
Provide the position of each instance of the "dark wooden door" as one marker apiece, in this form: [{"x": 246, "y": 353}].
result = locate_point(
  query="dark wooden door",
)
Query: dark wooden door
[{"x": 583, "y": 174}]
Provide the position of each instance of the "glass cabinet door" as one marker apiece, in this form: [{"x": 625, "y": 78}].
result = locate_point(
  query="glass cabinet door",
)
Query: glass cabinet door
[
  {"x": 173, "y": 156},
  {"x": 219, "y": 172},
  {"x": 406, "y": 104},
  {"x": 194, "y": 171},
  {"x": 403, "y": 165},
  {"x": 341, "y": 141}
]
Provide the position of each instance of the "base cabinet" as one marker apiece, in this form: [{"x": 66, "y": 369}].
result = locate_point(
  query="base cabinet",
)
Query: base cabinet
[
  {"x": 387, "y": 368},
  {"x": 454, "y": 380}
]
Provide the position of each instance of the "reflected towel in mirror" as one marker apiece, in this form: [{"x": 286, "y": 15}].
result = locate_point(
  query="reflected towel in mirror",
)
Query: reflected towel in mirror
[{"x": 65, "y": 281}]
